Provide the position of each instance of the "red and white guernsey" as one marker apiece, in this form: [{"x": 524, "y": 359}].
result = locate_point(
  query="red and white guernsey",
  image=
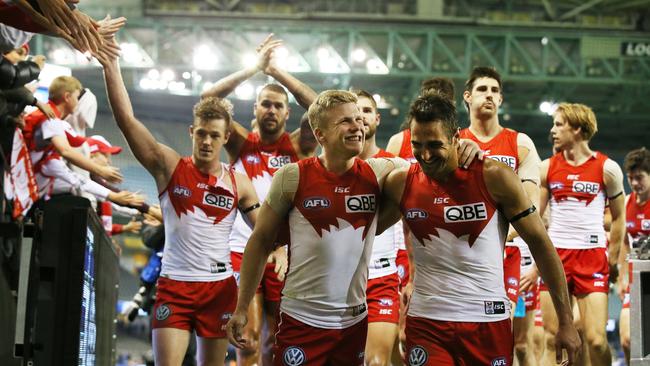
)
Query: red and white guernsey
[
  {"x": 259, "y": 162},
  {"x": 198, "y": 212},
  {"x": 384, "y": 249},
  {"x": 458, "y": 241},
  {"x": 332, "y": 226},
  {"x": 406, "y": 150},
  {"x": 637, "y": 218},
  {"x": 577, "y": 202},
  {"x": 503, "y": 147}
]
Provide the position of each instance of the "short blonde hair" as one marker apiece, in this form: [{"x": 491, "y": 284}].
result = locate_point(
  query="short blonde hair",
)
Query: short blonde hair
[
  {"x": 325, "y": 102},
  {"x": 579, "y": 116},
  {"x": 211, "y": 108},
  {"x": 62, "y": 85}
]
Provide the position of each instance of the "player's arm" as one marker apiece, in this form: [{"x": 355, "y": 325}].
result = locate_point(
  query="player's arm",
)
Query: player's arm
[
  {"x": 544, "y": 192},
  {"x": 260, "y": 244},
  {"x": 62, "y": 146},
  {"x": 623, "y": 267},
  {"x": 249, "y": 203},
  {"x": 303, "y": 140},
  {"x": 389, "y": 211},
  {"x": 158, "y": 159},
  {"x": 613, "y": 179},
  {"x": 506, "y": 189},
  {"x": 304, "y": 94},
  {"x": 395, "y": 143}
]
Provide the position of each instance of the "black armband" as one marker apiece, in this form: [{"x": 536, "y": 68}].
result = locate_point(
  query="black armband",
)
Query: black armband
[
  {"x": 523, "y": 214},
  {"x": 247, "y": 210},
  {"x": 528, "y": 180},
  {"x": 614, "y": 196}
]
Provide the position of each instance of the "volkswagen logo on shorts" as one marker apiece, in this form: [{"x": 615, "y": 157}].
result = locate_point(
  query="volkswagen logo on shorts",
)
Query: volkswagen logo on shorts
[
  {"x": 163, "y": 312},
  {"x": 294, "y": 356},
  {"x": 418, "y": 356}
]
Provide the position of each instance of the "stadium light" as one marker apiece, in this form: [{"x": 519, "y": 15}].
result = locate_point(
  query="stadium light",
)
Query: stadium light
[
  {"x": 376, "y": 66},
  {"x": 204, "y": 58},
  {"x": 548, "y": 107},
  {"x": 359, "y": 55},
  {"x": 245, "y": 91}
]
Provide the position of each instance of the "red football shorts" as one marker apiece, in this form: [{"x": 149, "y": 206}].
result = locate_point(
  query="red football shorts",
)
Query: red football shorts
[
  {"x": 586, "y": 270},
  {"x": 402, "y": 262},
  {"x": 297, "y": 343},
  {"x": 512, "y": 272},
  {"x": 270, "y": 286},
  {"x": 383, "y": 299},
  {"x": 203, "y": 306},
  {"x": 442, "y": 343}
]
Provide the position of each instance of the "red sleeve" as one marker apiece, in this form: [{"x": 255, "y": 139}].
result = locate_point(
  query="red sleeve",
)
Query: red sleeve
[{"x": 117, "y": 229}]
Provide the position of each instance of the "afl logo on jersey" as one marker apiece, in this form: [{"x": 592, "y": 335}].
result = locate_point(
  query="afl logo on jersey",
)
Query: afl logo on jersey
[
  {"x": 555, "y": 185},
  {"x": 507, "y": 160},
  {"x": 252, "y": 159},
  {"x": 218, "y": 201},
  {"x": 181, "y": 191},
  {"x": 416, "y": 214},
  {"x": 586, "y": 187},
  {"x": 362, "y": 203},
  {"x": 314, "y": 203},
  {"x": 277, "y": 162},
  {"x": 464, "y": 213}
]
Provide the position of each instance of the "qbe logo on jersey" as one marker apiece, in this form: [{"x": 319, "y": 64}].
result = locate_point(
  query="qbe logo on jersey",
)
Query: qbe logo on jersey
[
  {"x": 277, "y": 162},
  {"x": 218, "y": 201},
  {"x": 418, "y": 356},
  {"x": 506, "y": 159},
  {"x": 294, "y": 356},
  {"x": 586, "y": 187},
  {"x": 362, "y": 203},
  {"x": 465, "y": 213}
]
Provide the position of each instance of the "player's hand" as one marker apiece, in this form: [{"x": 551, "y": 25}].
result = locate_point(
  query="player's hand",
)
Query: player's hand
[
  {"x": 468, "y": 150},
  {"x": 265, "y": 53},
  {"x": 109, "y": 26},
  {"x": 567, "y": 339},
  {"x": 621, "y": 286},
  {"x": 528, "y": 280},
  {"x": 235, "y": 329},
  {"x": 279, "y": 257},
  {"x": 407, "y": 291},
  {"x": 111, "y": 174}
]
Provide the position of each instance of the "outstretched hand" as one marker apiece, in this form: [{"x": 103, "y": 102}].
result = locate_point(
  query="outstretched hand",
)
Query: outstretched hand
[{"x": 265, "y": 53}]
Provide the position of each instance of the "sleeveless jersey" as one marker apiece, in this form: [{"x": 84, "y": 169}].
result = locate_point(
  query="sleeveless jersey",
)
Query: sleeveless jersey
[
  {"x": 406, "y": 151},
  {"x": 502, "y": 147},
  {"x": 577, "y": 202},
  {"x": 259, "y": 162},
  {"x": 198, "y": 212},
  {"x": 332, "y": 226},
  {"x": 458, "y": 241},
  {"x": 384, "y": 248},
  {"x": 637, "y": 218}
]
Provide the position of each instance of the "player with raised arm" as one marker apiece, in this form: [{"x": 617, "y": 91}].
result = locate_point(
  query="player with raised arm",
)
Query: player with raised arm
[
  {"x": 199, "y": 197},
  {"x": 259, "y": 155}
]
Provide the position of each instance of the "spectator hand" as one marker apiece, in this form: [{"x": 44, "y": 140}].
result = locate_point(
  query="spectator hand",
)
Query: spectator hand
[
  {"x": 39, "y": 60},
  {"x": 133, "y": 226},
  {"x": 45, "y": 108},
  {"x": 111, "y": 174}
]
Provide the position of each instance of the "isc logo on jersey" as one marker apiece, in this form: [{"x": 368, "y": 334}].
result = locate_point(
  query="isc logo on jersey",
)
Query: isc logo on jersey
[
  {"x": 314, "y": 203},
  {"x": 507, "y": 160},
  {"x": 218, "y": 201},
  {"x": 465, "y": 213},
  {"x": 585, "y": 187},
  {"x": 361, "y": 203},
  {"x": 277, "y": 162}
]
